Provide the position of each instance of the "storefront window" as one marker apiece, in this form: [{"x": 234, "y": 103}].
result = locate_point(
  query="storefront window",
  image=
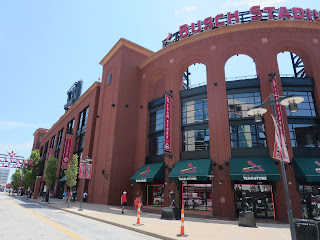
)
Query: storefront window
[
  {"x": 197, "y": 196},
  {"x": 239, "y": 104},
  {"x": 304, "y": 135},
  {"x": 247, "y": 136},
  {"x": 194, "y": 111},
  {"x": 196, "y": 140},
  {"x": 155, "y": 195},
  {"x": 310, "y": 201}
]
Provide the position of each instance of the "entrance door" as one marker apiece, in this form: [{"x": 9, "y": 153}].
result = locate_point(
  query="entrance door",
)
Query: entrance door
[
  {"x": 255, "y": 198},
  {"x": 259, "y": 203}
]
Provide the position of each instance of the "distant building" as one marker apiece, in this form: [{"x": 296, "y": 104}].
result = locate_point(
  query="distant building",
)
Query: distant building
[{"x": 4, "y": 175}]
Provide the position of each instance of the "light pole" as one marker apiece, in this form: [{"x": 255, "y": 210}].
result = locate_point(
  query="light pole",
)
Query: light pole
[
  {"x": 85, "y": 162},
  {"x": 257, "y": 112}
]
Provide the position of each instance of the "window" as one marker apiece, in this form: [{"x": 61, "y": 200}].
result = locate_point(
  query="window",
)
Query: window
[
  {"x": 197, "y": 196},
  {"x": 156, "y": 121},
  {"x": 70, "y": 127},
  {"x": 194, "y": 111},
  {"x": 60, "y": 135},
  {"x": 196, "y": 140},
  {"x": 244, "y": 136},
  {"x": 156, "y": 145},
  {"x": 304, "y": 135},
  {"x": 52, "y": 141},
  {"x": 240, "y": 103},
  {"x": 306, "y": 108},
  {"x": 83, "y": 118}
]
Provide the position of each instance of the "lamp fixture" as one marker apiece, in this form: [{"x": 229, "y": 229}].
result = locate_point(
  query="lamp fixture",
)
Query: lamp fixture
[
  {"x": 292, "y": 102},
  {"x": 257, "y": 113}
]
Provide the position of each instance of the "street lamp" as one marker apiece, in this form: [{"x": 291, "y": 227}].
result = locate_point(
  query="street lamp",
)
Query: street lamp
[
  {"x": 257, "y": 112},
  {"x": 85, "y": 162}
]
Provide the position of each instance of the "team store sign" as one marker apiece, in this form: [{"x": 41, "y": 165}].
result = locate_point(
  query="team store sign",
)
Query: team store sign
[{"x": 254, "y": 14}]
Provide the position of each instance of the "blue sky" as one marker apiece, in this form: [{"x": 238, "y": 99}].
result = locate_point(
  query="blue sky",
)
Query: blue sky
[{"x": 46, "y": 46}]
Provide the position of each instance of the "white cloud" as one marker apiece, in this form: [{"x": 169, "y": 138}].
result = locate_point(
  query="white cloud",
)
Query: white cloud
[
  {"x": 185, "y": 9},
  {"x": 263, "y": 3},
  {"x": 189, "y": 9},
  {"x": 18, "y": 124}
]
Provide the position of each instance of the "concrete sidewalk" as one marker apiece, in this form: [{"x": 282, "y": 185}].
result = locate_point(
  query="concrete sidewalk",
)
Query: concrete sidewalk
[{"x": 195, "y": 228}]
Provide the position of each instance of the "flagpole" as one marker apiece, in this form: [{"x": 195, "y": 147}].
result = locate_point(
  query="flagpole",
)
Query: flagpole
[{"x": 284, "y": 175}]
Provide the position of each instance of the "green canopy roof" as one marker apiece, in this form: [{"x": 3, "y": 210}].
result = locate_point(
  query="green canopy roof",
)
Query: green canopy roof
[
  {"x": 253, "y": 169},
  {"x": 191, "y": 170},
  {"x": 149, "y": 173},
  {"x": 63, "y": 179},
  {"x": 307, "y": 169}
]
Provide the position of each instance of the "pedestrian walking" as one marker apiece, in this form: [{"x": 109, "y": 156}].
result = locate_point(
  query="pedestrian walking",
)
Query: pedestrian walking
[
  {"x": 85, "y": 194},
  {"x": 123, "y": 201},
  {"x": 68, "y": 195},
  {"x": 74, "y": 194},
  {"x": 64, "y": 195}
]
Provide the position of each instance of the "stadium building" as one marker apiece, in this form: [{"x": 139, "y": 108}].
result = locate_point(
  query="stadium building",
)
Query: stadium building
[{"x": 150, "y": 133}]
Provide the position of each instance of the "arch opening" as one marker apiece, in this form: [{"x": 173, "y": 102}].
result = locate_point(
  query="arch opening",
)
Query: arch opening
[
  {"x": 195, "y": 76},
  {"x": 240, "y": 67}
]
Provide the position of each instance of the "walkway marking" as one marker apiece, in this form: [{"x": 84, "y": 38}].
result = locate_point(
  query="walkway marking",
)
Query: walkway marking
[{"x": 71, "y": 234}]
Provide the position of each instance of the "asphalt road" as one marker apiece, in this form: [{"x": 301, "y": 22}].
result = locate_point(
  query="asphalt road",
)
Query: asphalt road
[{"x": 23, "y": 219}]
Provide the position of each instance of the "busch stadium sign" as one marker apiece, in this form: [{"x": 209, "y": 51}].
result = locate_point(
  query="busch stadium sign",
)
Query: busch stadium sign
[{"x": 254, "y": 14}]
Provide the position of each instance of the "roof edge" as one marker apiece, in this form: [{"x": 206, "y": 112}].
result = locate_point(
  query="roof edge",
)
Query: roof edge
[{"x": 126, "y": 43}]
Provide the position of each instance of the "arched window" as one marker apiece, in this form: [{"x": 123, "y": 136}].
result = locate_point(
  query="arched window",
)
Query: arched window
[
  {"x": 194, "y": 106},
  {"x": 243, "y": 91},
  {"x": 303, "y": 126}
]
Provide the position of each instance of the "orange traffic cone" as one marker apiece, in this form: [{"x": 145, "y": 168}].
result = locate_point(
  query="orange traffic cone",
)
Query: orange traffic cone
[
  {"x": 182, "y": 224},
  {"x": 138, "y": 217}
]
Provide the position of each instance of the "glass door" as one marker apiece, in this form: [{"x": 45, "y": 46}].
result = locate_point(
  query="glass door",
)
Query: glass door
[{"x": 260, "y": 208}]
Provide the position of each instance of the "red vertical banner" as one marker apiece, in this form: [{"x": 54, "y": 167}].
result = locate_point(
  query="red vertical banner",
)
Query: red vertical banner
[
  {"x": 278, "y": 106},
  {"x": 88, "y": 171},
  {"x": 67, "y": 152},
  {"x": 81, "y": 170},
  {"x": 167, "y": 119},
  {"x": 50, "y": 152},
  {"x": 277, "y": 151}
]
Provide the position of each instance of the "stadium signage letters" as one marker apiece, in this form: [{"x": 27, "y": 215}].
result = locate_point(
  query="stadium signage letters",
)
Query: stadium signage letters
[{"x": 254, "y": 14}]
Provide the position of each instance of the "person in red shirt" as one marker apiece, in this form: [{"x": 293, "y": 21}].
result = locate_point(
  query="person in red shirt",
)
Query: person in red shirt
[{"x": 123, "y": 200}]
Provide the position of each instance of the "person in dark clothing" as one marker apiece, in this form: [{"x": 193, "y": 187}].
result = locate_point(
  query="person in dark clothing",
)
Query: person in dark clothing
[{"x": 74, "y": 194}]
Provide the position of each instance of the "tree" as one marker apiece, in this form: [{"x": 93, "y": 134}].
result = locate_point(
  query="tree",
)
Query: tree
[
  {"x": 50, "y": 174},
  {"x": 16, "y": 177},
  {"x": 72, "y": 172},
  {"x": 30, "y": 172}
]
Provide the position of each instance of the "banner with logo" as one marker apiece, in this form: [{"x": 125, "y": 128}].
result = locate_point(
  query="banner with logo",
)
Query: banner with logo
[
  {"x": 167, "y": 118},
  {"x": 85, "y": 171},
  {"x": 276, "y": 150},
  {"x": 280, "y": 144},
  {"x": 81, "y": 170},
  {"x": 66, "y": 152},
  {"x": 88, "y": 171}
]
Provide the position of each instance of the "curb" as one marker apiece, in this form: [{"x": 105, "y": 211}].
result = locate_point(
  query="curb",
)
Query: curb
[{"x": 108, "y": 222}]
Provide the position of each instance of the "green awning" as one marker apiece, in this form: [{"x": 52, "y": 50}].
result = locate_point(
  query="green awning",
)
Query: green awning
[
  {"x": 191, "y": 170},
  {"x": 149, "y": 173},
  {"x": 253, "y": 169},
  {"x": 63, "y": 179},
  {"x": 307, "y": 169}
]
